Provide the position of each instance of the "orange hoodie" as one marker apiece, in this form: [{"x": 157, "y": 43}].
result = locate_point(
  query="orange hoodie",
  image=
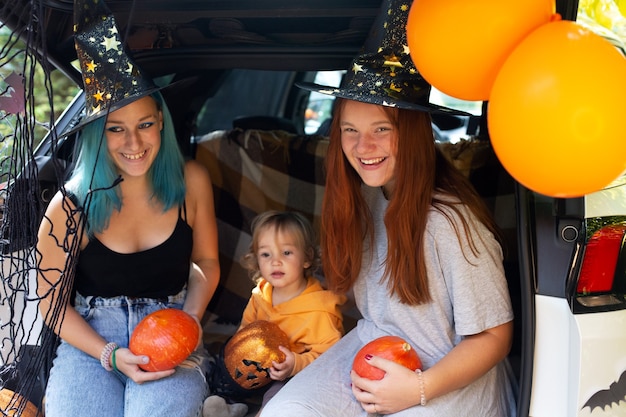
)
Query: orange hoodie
[{"x": 312, "y": 320}]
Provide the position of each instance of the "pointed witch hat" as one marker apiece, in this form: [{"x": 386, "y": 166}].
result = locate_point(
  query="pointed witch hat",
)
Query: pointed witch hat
[
  {"x": 111, "y": 79},
  {"x": 383, "y": 72}
]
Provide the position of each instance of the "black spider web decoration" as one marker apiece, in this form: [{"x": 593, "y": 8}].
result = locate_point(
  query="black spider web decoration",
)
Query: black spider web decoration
[
  {"x": 26, "y": 344},
  {"x": 28, "y": 286}
]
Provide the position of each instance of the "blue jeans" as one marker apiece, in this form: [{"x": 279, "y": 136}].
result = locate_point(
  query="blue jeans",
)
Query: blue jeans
[{"x": 79, "y": 386}]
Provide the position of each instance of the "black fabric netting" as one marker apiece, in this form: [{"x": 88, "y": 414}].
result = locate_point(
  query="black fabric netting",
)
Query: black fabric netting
[{"x": 26, "y": 345}]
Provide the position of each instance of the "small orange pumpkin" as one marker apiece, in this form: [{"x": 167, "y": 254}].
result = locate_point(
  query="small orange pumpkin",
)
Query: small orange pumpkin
[
  {"x": 166, "y": 336},
  {"x": 248, "y": 355},
  {"x": 11, "y": 403},
  {"x": 393, "y": 348}
]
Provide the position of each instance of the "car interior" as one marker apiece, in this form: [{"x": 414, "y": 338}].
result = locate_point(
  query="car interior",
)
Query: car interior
[{"x": 239, "y": 113}]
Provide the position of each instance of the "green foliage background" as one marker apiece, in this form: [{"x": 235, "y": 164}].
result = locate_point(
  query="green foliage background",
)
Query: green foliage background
[{"x": 46, "y": 105}]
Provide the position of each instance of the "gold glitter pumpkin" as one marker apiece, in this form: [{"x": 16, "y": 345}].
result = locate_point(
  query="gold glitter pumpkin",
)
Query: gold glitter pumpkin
[{"x": 248, "y": 355}]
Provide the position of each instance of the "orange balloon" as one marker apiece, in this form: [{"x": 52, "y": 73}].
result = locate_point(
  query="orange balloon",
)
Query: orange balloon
[
  {"x": 556, "y": 115},
  {"x": 458, "y": 46}
]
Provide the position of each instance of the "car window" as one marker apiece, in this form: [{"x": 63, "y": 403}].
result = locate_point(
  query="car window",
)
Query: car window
[
  {"x": 319, "y": 107},
  {"x": 472, "y": 107},
  {"x": 243, "y": 92}
]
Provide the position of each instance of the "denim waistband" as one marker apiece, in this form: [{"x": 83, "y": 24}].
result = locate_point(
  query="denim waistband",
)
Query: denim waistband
[{"x": 122, "y": 300}]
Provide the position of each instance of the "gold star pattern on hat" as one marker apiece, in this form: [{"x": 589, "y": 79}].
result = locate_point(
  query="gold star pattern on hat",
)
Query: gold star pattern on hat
[
  {"x": 110, "y": 77},
  {"x": 383, "y": 72}
]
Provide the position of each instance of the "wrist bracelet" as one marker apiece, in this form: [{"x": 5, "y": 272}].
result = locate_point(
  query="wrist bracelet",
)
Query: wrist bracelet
[
  {"x": 420, "y": 377},
  {"x": 113, "y": 364},
  {"x": 105, "y": 356}
]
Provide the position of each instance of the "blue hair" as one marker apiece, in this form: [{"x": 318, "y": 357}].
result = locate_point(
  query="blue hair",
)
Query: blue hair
[{"x": 95, "y": 177}]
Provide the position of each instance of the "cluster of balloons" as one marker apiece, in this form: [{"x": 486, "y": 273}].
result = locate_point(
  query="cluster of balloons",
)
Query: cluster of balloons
[{"x": 556, "y": 90}]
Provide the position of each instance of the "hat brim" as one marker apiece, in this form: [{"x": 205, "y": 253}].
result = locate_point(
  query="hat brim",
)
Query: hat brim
[
  {"x": 360, "y": 95},
  {"x": 121, "y": 103}
]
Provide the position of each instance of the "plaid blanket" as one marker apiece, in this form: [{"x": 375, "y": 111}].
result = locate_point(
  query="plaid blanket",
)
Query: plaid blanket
[{"x": 253, "y": 171}]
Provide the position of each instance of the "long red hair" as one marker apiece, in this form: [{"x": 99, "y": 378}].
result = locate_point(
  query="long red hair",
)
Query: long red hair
[{"x": 420, "y": 170}]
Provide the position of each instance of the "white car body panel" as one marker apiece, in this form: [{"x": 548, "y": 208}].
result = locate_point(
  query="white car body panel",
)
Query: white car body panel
[
  {"x": 567, "y": 374},
  {"x": 602, "y": 362},
  {"x": 554, "y": 363}
]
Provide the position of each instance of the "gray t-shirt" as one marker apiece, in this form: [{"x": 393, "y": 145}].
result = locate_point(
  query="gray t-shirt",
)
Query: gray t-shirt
[{"x": 469, "y": 292}]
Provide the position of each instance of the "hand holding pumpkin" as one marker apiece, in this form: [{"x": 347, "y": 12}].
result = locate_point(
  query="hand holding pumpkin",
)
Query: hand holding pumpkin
[
  {"x": 130, "y": 365},
  {"x": 379, "y": 370},
  {"x": 282, "y": 370},
  {"x": 393, "y": 348},
  {"x": 252, "y": 352},
  {"x": 167, "y": 337},
  {"x": 397, "y": 391}
]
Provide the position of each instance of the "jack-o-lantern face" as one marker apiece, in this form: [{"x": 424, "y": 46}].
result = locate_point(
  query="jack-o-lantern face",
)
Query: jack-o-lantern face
[{"x": 249, "y": 354}]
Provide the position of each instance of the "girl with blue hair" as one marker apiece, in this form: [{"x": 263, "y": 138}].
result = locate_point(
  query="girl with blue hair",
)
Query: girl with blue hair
[{"x": 132, "y": 232}]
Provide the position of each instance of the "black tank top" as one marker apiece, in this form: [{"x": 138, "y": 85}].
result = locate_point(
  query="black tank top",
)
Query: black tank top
[{"x": 153, "y": 273}]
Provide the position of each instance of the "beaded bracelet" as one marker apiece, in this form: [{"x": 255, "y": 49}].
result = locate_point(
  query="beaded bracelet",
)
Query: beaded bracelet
[
  {"x": 105, "y": 356},
  {"x": 422, "y": 394}
]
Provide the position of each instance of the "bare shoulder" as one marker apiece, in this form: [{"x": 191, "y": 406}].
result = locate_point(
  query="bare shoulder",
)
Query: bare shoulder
[
  {"x": 59, "y": 213},
  {"x": 61, "y": 204},
  {"x": 196, "y": 174},
  {"x": 198, "y": 185}
]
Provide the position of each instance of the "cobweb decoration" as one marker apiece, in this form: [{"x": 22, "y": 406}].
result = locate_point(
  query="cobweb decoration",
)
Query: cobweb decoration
[{"x": 26, "y": 345}]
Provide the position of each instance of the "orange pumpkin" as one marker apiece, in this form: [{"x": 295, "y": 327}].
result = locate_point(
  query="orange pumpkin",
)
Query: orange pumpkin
[
  {"x": 393, "y": 348},
  {"x": 11, "y": 403},
  {"x": 166, "y": 336},
  {"x": 249, "y": 354}
]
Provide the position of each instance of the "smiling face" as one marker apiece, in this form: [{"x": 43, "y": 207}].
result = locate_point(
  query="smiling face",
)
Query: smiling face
[
  {"x": 368, "y": 140},
  {"x": 282, "y": 260},
  {"x": 133, "y": 136}
]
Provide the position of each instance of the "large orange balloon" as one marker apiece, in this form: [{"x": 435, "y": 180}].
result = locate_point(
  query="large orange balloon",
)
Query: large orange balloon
[
  {"x": 556, "y": 115},
  {"x": 458, "y": 46}
]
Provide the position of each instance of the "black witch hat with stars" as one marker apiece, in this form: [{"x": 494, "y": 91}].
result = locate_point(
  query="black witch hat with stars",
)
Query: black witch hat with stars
[
  {"x": 111, "y": 79},
  {"x": 383, "y": 72}
]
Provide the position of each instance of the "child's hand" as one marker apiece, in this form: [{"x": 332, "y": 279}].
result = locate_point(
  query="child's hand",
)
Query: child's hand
[{"x": 282, "y": 371}]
